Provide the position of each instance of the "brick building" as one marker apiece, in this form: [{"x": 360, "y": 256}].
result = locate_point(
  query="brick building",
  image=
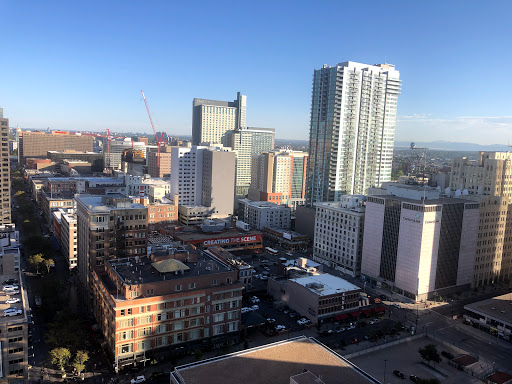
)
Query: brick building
[{"x": 170, "y": 302}]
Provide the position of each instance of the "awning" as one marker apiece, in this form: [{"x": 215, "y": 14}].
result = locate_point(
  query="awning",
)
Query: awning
[
  {"x": 380, "y": 309},
  {"x": 367, "y": 311},
  {"x": 355, "y": 314},
  {"x": 343, "y": 316}
]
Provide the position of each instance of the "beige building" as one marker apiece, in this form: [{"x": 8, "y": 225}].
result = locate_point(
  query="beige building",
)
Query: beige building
[
  {"x": 490, "y": 178},
  {"x": 13, "y": 329},
  {"x": 68, "y": 238},
  {"x": 5, "y": 215},
  {"x": 165, "y": 163},
  {"x": 491, "y": 175},
  {"x": 279, "y": 177},
  {"x": 37, "y": 144}
]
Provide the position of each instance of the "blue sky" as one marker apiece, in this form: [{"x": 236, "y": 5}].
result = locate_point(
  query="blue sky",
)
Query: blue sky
[{"x": 81, "y": 65}]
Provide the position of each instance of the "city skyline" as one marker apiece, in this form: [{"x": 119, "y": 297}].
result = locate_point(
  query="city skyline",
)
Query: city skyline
[{"x": 78, "y": 68}]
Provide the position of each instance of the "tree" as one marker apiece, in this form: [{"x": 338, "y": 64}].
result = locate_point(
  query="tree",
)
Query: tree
[
  {"x": 66, "y": 329},
  {"x": 35, "y": 261},
  {"x": 429, "y": 353},
  {"x": 48, "y": 263},
  {"x": 80, "y": 358},
  {"x": 60, "y": 357}
]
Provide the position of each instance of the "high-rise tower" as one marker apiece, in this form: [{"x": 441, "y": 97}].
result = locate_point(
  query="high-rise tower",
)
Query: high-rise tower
[
  {"x": 212, "y": 119},
  {"x": 5, "y": 216},
  {"x": 353, "y": 117}
]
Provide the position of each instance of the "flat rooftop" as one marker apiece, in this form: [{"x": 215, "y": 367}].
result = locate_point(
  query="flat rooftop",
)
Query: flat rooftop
[
  {"x": 282, "y": 231},
  {"x": 23, "y": 304},
  {"x": 190, "y": 234},
  {"x": 499, "y": 307},
  {"x": 95, "y": 202},
  {"x": 325, "y": 284},
  {"x": 135, "y": 270},
  {"x": 274, "y": 363}
]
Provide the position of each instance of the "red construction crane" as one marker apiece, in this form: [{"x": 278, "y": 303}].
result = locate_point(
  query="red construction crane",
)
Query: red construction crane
[
  {"x": 158, "y": 140},
  {"x": 108, "y": 137}
]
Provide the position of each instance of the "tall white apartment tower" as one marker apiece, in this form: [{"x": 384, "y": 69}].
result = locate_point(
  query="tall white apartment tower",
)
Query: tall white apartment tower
[
  {"x": 5, "y": 192},
  {"x": 353, "y": 117}
]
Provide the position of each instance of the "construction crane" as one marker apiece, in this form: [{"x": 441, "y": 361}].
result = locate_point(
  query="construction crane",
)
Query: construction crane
[
  {"x": 108, "y": 137},
  {"x": 158, "y": 140}
]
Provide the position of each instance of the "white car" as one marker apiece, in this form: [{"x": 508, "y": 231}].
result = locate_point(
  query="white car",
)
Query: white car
[
  {"x": 397, "y": 306},
  {"x": 340, "y": 330},
  {"x": 245, "y": 309},
  {"x": 10, "y": 287},
  {"x": 138, "y": 379},
  {"x": 303, "y": 321},
  {"x": 13, "y": 300},
  {"x": 12, "y": 312},
  {"x": 255, "y": 307},
  {"x": 254, "y": 299},
  {"x": 263, "y": 277},
  {"x": 280, "y": 328},
  {"x": 271, "y": 320}
]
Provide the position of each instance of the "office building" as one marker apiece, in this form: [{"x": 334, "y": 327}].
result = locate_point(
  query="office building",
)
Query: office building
[
  {"x": 117, "y": 148},
  {"x": 248, "y": 143},
  {"x": 37, "y": 144},
  {"x": 244, "y": 270},
  {"x": 262, "y": 214},
  {"x": 5, "y": 175},
  {"x": 299, "y": 360},
  {"x": 316, "y": 297},
  {"x": 353, "y": 117},
  {"x": 279, "y": 177},
  {"x": 173, "y": 301},
  {"x": 212, "y": 120},
  {"x": 287, "y": 239},
  {"x": 204, "y": 180},
  {"x": 95, "y": 159},
  {"x": 164, "y": 170},
  {"x": 338, "y": 236},
  {"x": 419, "y": 247},
  {"x": 489, "y": 179},
  {"x": 108, "y": 226},
  {"x": 491, "y": 175}
]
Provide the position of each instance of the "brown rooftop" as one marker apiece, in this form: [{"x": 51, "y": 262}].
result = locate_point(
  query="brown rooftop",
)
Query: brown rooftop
[
  {"x": 274, "y": 363},
  {"x": 465, "y": 360}
]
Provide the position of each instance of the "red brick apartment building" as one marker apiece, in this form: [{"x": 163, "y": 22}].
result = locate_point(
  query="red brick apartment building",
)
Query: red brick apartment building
[{"x": 169, "y": 303}]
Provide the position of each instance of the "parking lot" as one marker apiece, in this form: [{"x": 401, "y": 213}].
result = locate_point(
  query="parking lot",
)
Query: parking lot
[{"x": 406, "y": 358}]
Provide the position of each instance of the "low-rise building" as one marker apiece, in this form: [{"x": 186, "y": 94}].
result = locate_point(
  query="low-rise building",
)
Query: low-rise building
[
  {"x": 339, "y": 228},
  {"x": 287, "y": 239},
  {"x": 300, "y": 360},
  {"x": 244, "y": 270},
  {"x": 165, "y": 303},
  {"x": 261, "y": 214},
  {"x": 229, "y": 239},
  {"x": 493, "y": 315},
  {"x": 316, "y": 297}
]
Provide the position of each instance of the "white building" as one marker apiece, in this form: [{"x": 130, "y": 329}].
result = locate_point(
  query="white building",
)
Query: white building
[
  {"x": 339, "y": 234},
  {"x": 140, "y": 185},
  {"x": 68, "y": 236},
  {"x": 353, "y": 119},
  {"x": 419, "y": 248},
  {"x": 261, "y": 214},
  {"x": 203, "y": 177}
]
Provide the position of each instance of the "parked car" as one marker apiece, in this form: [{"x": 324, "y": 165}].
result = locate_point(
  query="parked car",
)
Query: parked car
[
  {"x": 396, "y": 305},
  {"x": 138, "y": 379},
  {"x": 10, "y": 281},
  {"x": 399, "y": 374},
  {"x": 12, "y": 292},
  {"x": 245, "y": 309},
  {"x": 255, "y": 307},
  {"x": 376, "y": 300},
  {"x": 38, "y": 301},
  {"x": 303, "y": 321},
  {"x": 270, "y": 320},
  {"x": 413, "y": 378},
  {"x": 10, "y": 287},
  {"x": 280, "y": 328},
  {"x": 355, "y": 340},
  {"x": 13, "y": 300},
  {"x": 12, "y": 312},
  {"x": 340, "y": 330}
]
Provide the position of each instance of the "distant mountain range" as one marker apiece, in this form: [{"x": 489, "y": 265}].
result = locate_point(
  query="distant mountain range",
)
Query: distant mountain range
[{"x": 452, "y": 146}]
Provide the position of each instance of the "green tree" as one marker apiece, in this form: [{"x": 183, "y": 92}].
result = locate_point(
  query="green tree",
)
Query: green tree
[
  {"x": 48, "y": 263},
  {"x": 60, "y": 356},
  {"x": 198, "y": 354},
  {"x": 79, "y": 362},
  {"x": 429, "y": 353},
  {"x": 66, "y": 329},
  {"x": 35, "y": 261}
]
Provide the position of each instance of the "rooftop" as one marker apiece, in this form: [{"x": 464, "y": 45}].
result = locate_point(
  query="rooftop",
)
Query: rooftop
[
  {"x": 325, "y": 284},
  {"x": 23, "y": 305},
  {"x": 105, "y": 203},
  {"x": 286, "y": 232},
  {"x": 263, "y": 204},
  {"x": 137, "y": 270},
  {"x": 499, "y": 307},
  {"x": 274, "y": 363}
]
